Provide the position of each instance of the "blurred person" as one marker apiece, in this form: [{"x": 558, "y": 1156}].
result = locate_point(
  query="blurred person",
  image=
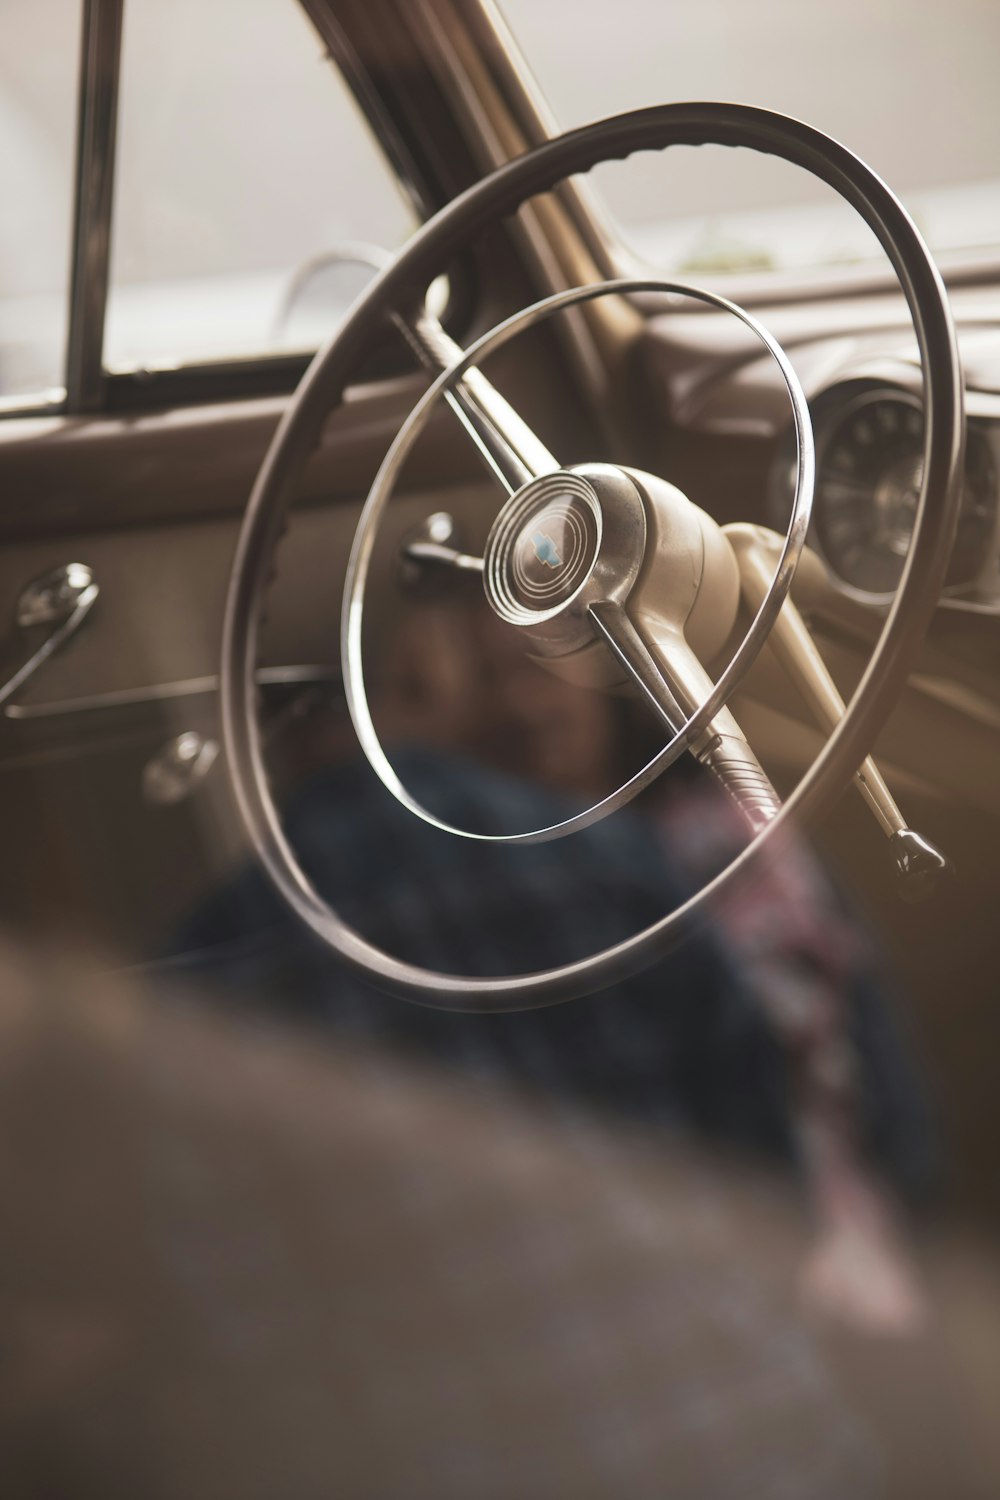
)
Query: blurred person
[{"x": 771, "y": 1029}]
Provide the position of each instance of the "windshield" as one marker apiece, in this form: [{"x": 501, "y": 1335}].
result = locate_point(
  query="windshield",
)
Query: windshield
[{"x": 909, "y": 85}]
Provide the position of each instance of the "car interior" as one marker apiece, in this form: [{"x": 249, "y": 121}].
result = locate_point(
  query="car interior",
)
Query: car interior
[{"x": 499, "y": 735}]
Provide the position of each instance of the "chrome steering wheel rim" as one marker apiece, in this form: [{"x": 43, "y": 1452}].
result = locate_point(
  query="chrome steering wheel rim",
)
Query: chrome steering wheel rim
[
  {"x": 398, "y": 289},
  {"x": 743, "y": 657}
]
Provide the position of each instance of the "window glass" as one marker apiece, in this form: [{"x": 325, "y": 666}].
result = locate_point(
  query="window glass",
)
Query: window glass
[
  {"x": 242, "y": 164},
  {"x": 910, "y": 85},
  {"x": 38, "y": 76}
]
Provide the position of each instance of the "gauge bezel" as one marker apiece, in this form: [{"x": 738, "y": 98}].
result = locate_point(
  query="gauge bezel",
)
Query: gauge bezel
[
  {"x": 831, "y": 407},
  {"x": 829, "y": 430}
]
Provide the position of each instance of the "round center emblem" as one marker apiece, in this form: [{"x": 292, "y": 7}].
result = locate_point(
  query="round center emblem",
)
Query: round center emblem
[
  {"x": 553, "y": 551},
  {"x": 543, "y": 547}
]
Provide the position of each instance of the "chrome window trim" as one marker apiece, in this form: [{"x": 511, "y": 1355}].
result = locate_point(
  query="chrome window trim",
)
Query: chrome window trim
[{"x": 97, "y": 118}]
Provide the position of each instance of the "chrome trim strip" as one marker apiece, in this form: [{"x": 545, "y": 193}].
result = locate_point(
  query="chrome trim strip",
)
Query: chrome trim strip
[
  {"x": 159, "y": 692},
  {"x": 100, "y": 61},
  {"x": 33, "y": 403}
]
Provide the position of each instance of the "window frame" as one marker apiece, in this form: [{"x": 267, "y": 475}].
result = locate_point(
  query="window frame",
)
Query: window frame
[{"x": 89, "y": 388}]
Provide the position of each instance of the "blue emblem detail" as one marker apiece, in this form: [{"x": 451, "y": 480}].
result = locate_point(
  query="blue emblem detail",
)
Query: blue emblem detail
[{"x": 546, "y": 550}]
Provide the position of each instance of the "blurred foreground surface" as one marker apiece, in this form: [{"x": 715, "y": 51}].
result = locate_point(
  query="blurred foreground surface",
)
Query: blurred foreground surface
[{"x": 238, "y": 1264}]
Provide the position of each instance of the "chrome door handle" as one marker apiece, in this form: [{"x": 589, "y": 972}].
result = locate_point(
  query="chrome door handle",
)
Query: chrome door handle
[{"x": 62, "y": 598}]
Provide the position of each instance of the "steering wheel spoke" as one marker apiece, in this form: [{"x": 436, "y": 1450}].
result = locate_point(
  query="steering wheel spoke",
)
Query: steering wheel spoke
[
  {"x": 674, "y": 683},
  {"x": 512, "y": 452}
]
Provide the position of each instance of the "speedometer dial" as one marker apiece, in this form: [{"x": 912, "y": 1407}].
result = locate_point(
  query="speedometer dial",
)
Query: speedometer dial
[{"x": 868, "y": 483}]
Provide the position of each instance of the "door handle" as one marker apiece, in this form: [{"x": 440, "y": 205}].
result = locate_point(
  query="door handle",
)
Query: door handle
[{"x": 62, "y": 598}]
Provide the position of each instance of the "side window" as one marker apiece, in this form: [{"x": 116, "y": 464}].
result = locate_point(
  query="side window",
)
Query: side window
[
  {"x": 243, "y": 164},
  {"x": 38, "y": 77}
]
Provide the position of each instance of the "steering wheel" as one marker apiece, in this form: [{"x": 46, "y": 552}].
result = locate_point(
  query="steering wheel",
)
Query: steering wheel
[{"x": 646, "y": 573}]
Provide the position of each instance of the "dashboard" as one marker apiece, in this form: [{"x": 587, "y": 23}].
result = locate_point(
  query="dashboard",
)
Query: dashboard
[
  {"x": 728, "y": 442},
  {"x": 859, "y": 366}
]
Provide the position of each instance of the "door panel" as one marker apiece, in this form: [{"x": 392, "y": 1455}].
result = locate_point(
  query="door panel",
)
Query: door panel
[{"x": 88, "y": 853}]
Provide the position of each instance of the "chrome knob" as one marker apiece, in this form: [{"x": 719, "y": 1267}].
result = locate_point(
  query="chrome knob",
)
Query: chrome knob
[
  {"x": 52, "y": 598},
  {"x": 179, "y": 768},
  {"x": 921, "y": 867}
]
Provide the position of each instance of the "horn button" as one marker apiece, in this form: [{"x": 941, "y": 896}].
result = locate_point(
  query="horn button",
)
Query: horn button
[
  {"x": 561, "y": 543},
  {"x": 544, "y": 548}
]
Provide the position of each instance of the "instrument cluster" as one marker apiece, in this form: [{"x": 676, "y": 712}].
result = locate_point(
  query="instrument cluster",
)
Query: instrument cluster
[{"x": 869, "y": 442}]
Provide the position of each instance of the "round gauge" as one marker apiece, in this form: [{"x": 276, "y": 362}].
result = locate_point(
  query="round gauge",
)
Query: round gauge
[{"x": 867, "y": 485}]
